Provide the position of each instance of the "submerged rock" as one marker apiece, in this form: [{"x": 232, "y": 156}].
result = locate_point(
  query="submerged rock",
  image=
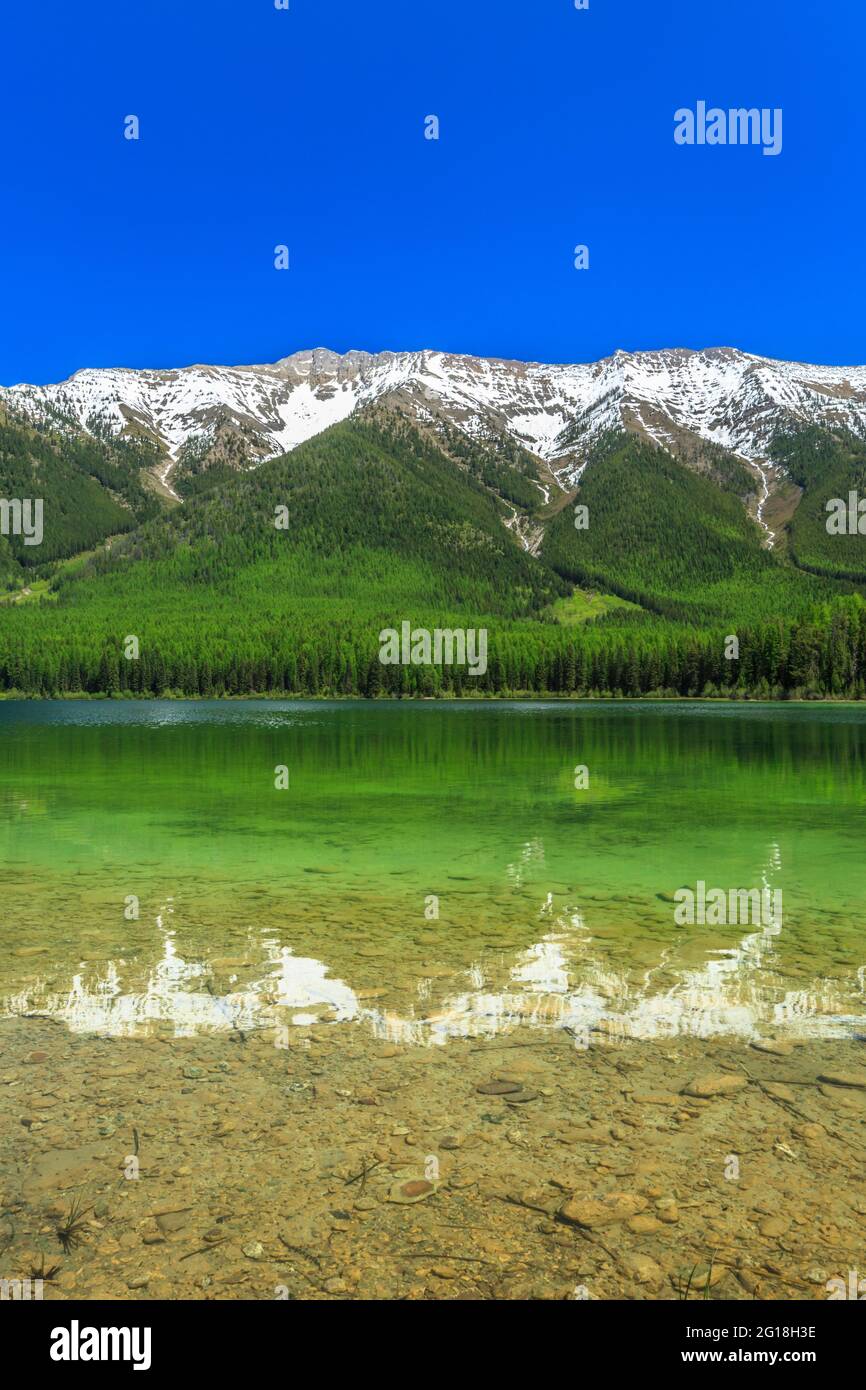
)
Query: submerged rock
[
  {"x": 855, "y": 1080},
  {"x": 696, "y": 1278},
  {"x": 590, "y": 1212},
  {"x": 412, "y": 1190},
  {"x": 643, "y": 1269},
  {"x": 715, "y": 1084},
  {"x": 644, "y": 1225},
  {"x": 775, "y": 1047}
]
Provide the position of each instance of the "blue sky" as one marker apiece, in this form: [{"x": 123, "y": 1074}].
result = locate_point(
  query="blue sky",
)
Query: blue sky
[{"x": 262, "y": 127}]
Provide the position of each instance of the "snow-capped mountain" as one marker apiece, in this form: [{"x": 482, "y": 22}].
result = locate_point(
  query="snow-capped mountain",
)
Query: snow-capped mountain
[{"x": 675, "y": 396}]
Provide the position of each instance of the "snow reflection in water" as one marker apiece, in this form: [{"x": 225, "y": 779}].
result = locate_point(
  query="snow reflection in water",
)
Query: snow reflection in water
[{"x": 561, "y": 980}]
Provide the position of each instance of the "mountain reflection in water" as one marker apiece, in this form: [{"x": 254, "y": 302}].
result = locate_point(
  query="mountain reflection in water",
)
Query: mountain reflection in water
[{"x": 559, "y": 981}]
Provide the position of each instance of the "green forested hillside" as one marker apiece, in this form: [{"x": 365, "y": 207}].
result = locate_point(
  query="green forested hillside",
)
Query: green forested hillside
[
  {"x": 499, "y": 464},
  {"x": 673, "y": 541},
  {"x": 89, "y": 488},
  {"x": 827, "y": 467},
  {"x": 378, "y": 488},
  {"x": 281, "y": 579}
]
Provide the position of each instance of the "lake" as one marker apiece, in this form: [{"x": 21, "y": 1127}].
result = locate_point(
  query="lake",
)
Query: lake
[
  {"x": 430, "y": 870},
  {"x": 400, "y": 1001}
]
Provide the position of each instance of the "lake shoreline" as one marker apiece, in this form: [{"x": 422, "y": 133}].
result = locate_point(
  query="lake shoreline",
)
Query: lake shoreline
[{"x": 520, "y": 697}]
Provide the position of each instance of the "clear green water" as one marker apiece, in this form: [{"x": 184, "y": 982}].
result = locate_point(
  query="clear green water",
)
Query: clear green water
[{"x": 263, "y": 908}]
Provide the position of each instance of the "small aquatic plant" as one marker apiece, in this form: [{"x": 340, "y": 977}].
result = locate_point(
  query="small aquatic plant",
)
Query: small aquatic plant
[
  {"x": 43, "y": 1271},
  {"x": 69, "y": 1230},
  {"x": 684, "y": 1296}
]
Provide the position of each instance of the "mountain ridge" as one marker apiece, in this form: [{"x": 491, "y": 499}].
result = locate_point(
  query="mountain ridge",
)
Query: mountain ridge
[{"x": 679, "y": 398}]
